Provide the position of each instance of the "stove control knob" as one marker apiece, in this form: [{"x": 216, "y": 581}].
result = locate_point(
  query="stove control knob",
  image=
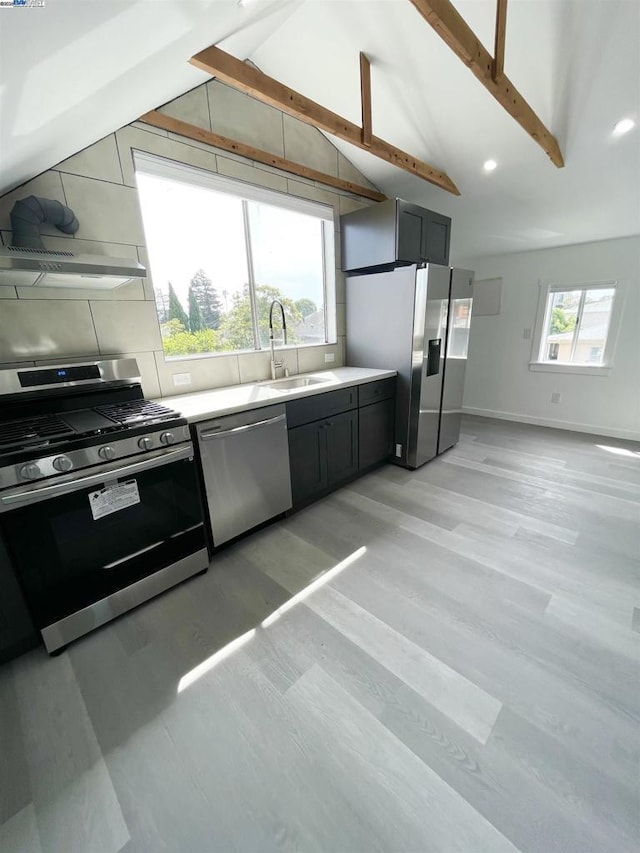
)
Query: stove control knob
[
  {"x": 30, "y": 471},
  {"x": 62, "y": 463},
  {"x": 145, "y": 443},
  {"x": 167, "y": 438},
  {"x": 106, "y": 452}
]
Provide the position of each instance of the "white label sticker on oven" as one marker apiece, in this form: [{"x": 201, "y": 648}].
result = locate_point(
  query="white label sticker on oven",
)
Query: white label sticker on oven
[{"x": 113, "y": 498}]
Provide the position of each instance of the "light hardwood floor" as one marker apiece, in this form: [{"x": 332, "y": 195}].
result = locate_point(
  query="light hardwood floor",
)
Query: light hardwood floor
[{"x": 464, "y": 678}]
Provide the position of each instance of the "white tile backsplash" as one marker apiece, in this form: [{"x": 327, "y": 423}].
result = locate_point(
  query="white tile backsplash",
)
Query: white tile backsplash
[
  {"x": 347, "y": 204},
  {"x": 305, "y": 144},
  {"x": 256, "y": 366},
  {"x": 311, "y": 359},
  {"x": 131, "y": 138},
  {"x": 99, "y": 160},
  {"x": 192, "y": 107},
  {"x": 243, "y": 172},
  {"x": 108, "y": 212},
  {"x": 206, "y": 372},
  {"x": 296, "y": 187},
  {"x": 243, "y": 118},
  {"x": 348, "y": 172},
  {"x": 119, "y": 324},
  {"x": 45, "y": 329}
]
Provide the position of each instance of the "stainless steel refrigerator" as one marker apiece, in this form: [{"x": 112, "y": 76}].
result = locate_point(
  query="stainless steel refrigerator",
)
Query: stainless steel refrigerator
[{"x": 417, "y": 321}]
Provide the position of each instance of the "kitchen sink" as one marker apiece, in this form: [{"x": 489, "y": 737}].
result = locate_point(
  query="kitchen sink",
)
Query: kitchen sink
[{"x": 297, "y": 382}]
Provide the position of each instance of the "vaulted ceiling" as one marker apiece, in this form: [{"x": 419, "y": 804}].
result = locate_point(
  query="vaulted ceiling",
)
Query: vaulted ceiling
[{"x": 75, "y": 70}]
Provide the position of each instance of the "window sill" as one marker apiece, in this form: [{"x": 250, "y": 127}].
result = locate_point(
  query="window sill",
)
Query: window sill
[
  {"x": 584, "y": 369},
  {"x": 240, "y": 352}
]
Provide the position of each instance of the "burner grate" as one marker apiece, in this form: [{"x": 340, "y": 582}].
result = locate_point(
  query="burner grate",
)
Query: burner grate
[
  {"x": 35, "y": 430},
  {"x": 135, "y": 411}
]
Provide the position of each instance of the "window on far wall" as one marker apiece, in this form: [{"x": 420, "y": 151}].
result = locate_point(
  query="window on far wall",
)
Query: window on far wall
[
  {"x": 576, "y": 324},
  {"x": 221, "y": 251}
]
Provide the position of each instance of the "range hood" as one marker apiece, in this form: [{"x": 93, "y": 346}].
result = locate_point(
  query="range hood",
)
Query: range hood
[
  {"x": 27, "y": 267},
  {"x": 28, "y": 263}
]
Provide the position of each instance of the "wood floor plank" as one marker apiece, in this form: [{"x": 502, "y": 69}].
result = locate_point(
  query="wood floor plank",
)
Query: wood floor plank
[
  {"x": 441, "y": 659},
  {"x": 471, "y": 508},
  {"x": 461, "y": 576},
  {"x": 469, "y": 706},
  {"x": 19, "y": 833},
  {"x": 391, "y": 775},
  {"x": 75, "y": 803},
  {"x": 15, "y": 787},
  {"x": 486, "y": 779},
  {"x": 235, "y": 731},
  {"x": 605, "y": 809},
  {"x": 590, "y": 622},
  {"x": 581, "y": 721},
  {"x": 556, "y": 474}
]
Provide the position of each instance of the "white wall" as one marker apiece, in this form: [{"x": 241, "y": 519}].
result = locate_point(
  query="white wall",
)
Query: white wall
[{"x": 498, "y": 380}]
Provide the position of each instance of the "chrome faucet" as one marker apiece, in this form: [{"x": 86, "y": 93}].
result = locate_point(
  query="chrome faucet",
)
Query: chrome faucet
[{"x": 275, "y": 364}]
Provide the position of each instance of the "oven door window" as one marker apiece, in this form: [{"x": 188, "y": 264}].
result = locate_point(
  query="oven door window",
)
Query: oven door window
[{"x": 66, "y": 559}]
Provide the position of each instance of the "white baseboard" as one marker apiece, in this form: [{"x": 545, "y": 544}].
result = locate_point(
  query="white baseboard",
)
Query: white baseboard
[{"x": 628, "y": 434}]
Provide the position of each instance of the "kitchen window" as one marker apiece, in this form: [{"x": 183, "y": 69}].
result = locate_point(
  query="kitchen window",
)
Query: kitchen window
[
  {"x": 221, "y": 251},
  {"x": 575, "y": 328}
]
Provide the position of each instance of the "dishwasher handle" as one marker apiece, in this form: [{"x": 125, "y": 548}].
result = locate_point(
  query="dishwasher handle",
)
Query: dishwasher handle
[{"x": 208, "y": 436}]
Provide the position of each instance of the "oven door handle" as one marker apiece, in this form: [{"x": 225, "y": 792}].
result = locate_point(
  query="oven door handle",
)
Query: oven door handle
[{"x": 73, "y": 484}]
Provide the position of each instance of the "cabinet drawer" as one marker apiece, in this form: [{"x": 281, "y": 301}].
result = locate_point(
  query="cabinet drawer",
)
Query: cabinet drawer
[
  {"x": 373, "y": 392},
  {"x": 321, "y": 406}
]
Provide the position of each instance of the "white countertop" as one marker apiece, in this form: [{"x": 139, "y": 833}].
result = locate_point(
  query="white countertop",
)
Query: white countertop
[{"x": 239, "y": 398}]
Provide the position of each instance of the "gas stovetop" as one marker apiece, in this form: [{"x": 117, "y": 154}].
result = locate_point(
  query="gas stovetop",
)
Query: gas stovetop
[
  {"x": 54, "y": 421},
  {"x": 60, "y": 428}
]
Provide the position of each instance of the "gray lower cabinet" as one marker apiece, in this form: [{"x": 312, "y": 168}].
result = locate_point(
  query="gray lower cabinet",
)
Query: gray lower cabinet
[
  {"x": 341, "y": 433},
  {"x": 375, "y": 433},
  {"x": 17, "y": 632},
  {"x": 322, "y": 455},
  {"x": 308, "y": 461},
  {"x": 328, "y": 447}
]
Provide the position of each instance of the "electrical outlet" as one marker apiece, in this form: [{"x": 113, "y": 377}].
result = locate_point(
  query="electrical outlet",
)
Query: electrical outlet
[
  {"x": 329, "y": 356},
  {"x": 556, "y": 397},
  {"x": 398, "y": 450},
  {"x": 181, "y": 379},
  {"x": 526, "y": 334}
]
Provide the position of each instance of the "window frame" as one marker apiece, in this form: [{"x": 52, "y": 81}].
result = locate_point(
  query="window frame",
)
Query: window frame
[
  {"x": 546, "y": 289},
  {"x": 162, "y": 167}
]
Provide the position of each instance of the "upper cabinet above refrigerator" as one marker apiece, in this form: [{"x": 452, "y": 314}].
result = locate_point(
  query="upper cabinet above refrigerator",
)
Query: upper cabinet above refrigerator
[{"x": 394, "y": 232}]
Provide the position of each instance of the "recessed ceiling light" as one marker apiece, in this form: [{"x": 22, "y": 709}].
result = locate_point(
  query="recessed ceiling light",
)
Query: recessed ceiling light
[
  {"x": 623, "y": 126},
  {"x": 490, "y": 165}
]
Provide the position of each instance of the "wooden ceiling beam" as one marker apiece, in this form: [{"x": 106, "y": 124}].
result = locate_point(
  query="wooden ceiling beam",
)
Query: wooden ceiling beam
[
  {"x": 253, "y": 82},
  {"x": 453, "y": 29},
  {"x": 501, "y": 32},
  {"x": 192, "y": 131},
  {"x": 365, "y": 98}
]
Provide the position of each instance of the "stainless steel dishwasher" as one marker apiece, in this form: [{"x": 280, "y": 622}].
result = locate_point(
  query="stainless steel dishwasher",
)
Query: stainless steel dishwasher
[{"x": 245, "y": 462}]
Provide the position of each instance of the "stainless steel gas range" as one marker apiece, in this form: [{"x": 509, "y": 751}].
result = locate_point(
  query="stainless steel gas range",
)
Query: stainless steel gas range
[{"x": 100, "y": 506}]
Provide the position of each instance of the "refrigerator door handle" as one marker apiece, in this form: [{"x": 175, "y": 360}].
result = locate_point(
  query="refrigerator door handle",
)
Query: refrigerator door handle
[{"x": 433, "y": 356}]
